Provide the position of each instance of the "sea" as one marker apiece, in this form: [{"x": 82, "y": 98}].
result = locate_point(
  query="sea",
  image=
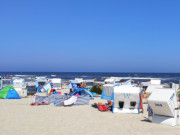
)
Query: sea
[{"x": 165, "y": 77}]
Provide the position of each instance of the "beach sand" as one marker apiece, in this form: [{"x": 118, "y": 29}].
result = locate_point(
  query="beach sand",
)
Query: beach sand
[{"x": 17, "y": 117}]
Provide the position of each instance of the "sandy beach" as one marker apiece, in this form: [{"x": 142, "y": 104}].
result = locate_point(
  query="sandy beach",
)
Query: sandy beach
[
  {"x": 124, "y": 50},
  {"x": 18, "y": 117}
]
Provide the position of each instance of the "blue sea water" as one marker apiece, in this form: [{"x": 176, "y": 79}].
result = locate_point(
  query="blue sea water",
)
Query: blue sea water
[{"x": 166, "y": 77}]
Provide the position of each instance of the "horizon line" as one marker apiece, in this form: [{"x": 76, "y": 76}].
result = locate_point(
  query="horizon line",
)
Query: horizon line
[{"x": 83, "y": 72}]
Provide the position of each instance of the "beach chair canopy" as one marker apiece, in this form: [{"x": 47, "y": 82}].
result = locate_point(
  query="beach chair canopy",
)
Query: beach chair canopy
[{"x": 107, "y": 91}]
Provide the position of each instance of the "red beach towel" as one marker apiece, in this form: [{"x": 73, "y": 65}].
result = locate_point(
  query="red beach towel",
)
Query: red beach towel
[{"x": 102, "y": 108}]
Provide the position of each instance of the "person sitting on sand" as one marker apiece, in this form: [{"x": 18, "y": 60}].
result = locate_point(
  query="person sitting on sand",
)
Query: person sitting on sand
[
  {"x": 84, "y": 85},
  {"x": 81, "y": 85}
]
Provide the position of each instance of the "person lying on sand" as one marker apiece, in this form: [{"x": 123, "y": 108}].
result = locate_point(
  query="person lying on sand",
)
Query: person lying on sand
[{"x": 108, "y": 105}]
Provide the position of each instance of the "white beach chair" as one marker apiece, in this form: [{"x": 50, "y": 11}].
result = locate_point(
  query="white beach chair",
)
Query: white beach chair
[
  {"x": 56, "y": 83},
  {"x": 164, "y": 103},
  {"x": 126, "y": 99}
]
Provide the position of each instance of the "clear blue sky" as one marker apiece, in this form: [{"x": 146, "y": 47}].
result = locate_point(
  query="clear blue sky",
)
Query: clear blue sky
[{"x": 90, "y": 35}]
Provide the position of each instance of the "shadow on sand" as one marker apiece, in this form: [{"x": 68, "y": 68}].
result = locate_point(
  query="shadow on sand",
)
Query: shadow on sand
[{"x": 146, "y": 120}]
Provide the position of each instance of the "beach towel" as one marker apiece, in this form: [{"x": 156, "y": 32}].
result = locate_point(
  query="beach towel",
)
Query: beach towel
[{"x": 102, "y": 108}]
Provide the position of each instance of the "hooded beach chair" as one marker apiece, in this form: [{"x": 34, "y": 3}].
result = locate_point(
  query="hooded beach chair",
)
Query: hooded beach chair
[
  {"x": 126, "y": 99},
  {"x": 164, "y": 105}
]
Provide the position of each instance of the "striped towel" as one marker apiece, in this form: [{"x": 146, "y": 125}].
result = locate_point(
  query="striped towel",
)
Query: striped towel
[{"x": 82, "y": 100}]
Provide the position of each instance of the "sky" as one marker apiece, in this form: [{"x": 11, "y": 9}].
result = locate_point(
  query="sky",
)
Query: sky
[{"x": 90, "y": 35}]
